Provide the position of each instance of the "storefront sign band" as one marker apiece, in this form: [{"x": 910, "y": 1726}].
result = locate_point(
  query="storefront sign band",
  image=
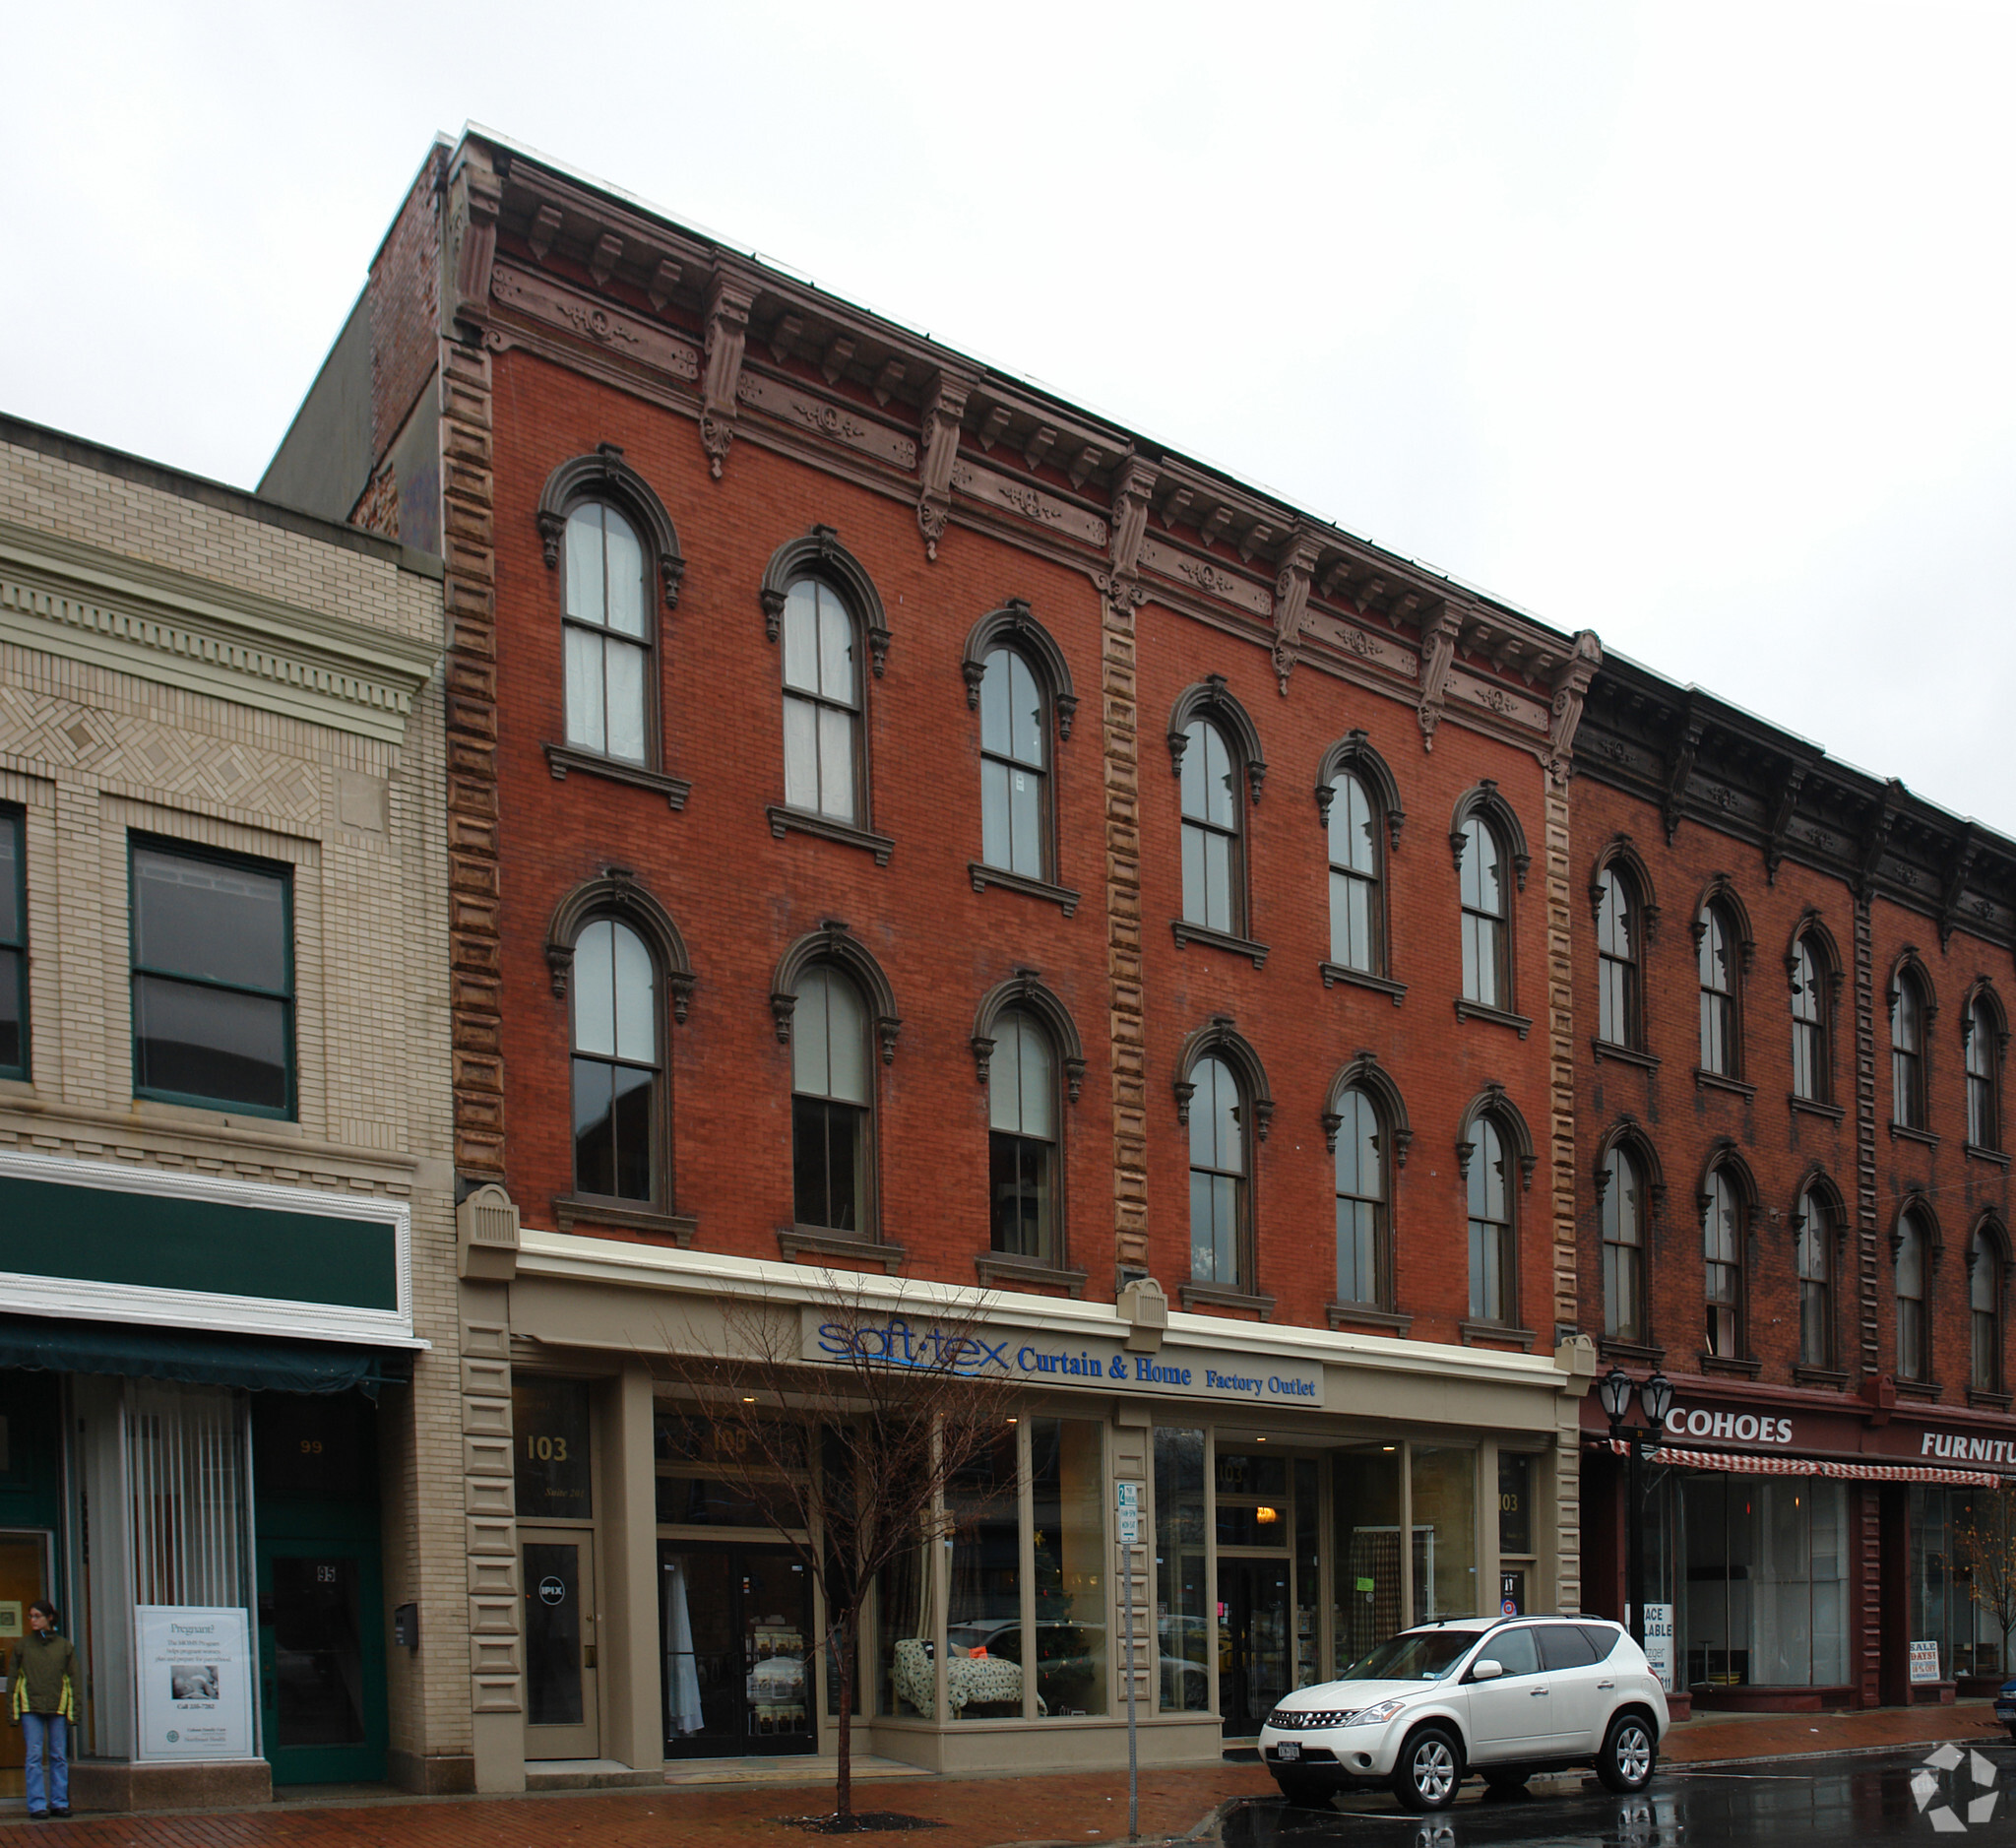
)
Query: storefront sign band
[{"x": 1049, "y": 1358}]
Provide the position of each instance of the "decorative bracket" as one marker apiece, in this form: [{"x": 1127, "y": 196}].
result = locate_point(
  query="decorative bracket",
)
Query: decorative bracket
[
  {"x": 1680, "y": 765},
  {"x": 1291, "y": 602},
  {"x": 1571, "y": 688},
  {"x": 729, "y": 298},
  {"x": 1780, "y": 819},
  {"x": 1438, "y": 651},
  {"x": 944, "y": 407}
]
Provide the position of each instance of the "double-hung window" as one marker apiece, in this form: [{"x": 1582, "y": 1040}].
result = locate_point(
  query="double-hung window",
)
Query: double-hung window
[
  {"x": 1914, "y": 1358},
  {"x": 1491, "y": 1274},
  {"x": 1362, "y": 1265},
  {"x": 607, "y": 626},
  {"x": 831, "y": 1079},
  {"x": 616, "y": 1063},
  {"x": 1022, "y": 1141},
  {"x": 1984, "y": 1126},
  {"x": 1985, "y": 1313},
  {"x": 1809, "y": 1025},
  {"x": 13, "y": 946},
  {"x": 1723, "y": 1231},
  {"x": 1212, "y": 886},
  {"x": 1218, "y": 1177},
  {"x": 1718, "y": 978},
  {"x": 1487, "y": 973},
  {"x": 1907, "y": 1054},
  {"x": 1014, "y": 770},
  {"x": 822, "y": 703},
  {"x": 213, "y": 979},
  {"x": 1616, "y": 938},
  {"x": 1354, "y": 909},
  {"x": 1815, "y": 1262},
  {"x": 1624, "y": 1247}
]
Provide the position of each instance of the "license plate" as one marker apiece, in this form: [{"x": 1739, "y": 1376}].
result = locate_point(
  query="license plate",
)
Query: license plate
[{"x": 1288, "y": 1750}]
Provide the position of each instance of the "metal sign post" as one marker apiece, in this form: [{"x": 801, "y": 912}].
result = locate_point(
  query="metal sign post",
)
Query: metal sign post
[{"x": 1130, "y": 1536}]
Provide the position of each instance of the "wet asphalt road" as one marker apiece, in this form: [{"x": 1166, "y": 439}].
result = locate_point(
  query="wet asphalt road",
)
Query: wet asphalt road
[{"x": 1893, "y": 1797}]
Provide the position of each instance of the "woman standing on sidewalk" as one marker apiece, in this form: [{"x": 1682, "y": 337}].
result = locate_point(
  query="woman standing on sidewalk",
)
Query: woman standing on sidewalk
[{"x": 43, "y": 1704}]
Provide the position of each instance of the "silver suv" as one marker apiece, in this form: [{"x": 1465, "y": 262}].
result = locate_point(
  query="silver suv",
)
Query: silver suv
[{"x": 1501, "y": 1698}]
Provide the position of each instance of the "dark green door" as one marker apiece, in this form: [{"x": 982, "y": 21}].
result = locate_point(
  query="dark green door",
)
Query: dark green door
[
  {"x": 322, "y": 1626},
  {"x": 322, "y": 1659}
]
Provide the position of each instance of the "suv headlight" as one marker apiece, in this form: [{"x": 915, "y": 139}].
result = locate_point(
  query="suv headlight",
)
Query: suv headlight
[{"x": 1376, "y": 1715}]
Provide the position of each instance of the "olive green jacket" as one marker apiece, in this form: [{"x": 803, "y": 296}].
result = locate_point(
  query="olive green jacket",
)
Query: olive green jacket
[{"x": 44, "y": 1675}]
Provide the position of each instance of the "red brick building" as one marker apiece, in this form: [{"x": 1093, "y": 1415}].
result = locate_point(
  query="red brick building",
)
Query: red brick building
[
  {"x": 1792, "y": 986},
  {"x": 906, "y": 826}
]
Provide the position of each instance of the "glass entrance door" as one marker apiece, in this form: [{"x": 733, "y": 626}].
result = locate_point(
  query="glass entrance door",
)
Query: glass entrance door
[
  {"x": 24, "y": 1561},
  {"x": 737, "y": 1626},
  {"x": 560, "y": 1719},
  {"x": 322, "y": 1660},
  {"x": 1252, "y": 1641}
]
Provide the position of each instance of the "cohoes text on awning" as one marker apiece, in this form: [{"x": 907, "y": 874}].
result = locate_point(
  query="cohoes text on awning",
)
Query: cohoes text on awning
[
  {"x": 52, "y": 1344},
  {"x": 1741, "y": 1464}
]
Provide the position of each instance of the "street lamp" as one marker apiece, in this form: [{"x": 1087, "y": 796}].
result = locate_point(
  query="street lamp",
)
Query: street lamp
[{"x": 1656, "y": 1397}]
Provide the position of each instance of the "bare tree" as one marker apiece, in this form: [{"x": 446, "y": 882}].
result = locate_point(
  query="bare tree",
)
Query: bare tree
[
  {"x": 1986, "y": 1547},
  {"x": 845, "y": 1422}
]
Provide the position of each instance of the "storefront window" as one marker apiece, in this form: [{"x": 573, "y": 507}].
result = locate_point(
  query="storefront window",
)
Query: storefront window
[
  {"x": 1309, "y": 1576},
  {"x": 985, "y": 1678},
  {"x": 1444, "y": 1533},
  {"x": 1764, "y": 1602},
  {"x": 1985, "y": 1578},
  {"x": 1366, "y": 1579},
  {"x": 1253, "y": 1500},
  {"x": 1067, "y": 1510},
  {"x": 1930, "y": 1575},
  {"x": 905, "y": 1690},
  {"x": 1182, "y": 1617}
]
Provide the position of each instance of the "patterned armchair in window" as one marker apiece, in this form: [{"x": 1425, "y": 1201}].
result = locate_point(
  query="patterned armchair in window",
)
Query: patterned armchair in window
[{"x": 982, "y": 1681}]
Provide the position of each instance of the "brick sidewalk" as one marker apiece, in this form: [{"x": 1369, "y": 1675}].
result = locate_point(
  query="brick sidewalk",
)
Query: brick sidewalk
[{"x": 976, "y": 1811}]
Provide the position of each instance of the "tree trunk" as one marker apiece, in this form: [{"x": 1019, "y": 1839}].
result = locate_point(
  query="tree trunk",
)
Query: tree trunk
[{"x": 844, "y": 1764}]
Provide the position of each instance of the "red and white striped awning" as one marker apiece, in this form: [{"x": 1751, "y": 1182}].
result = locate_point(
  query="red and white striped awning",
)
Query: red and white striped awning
[{"x": 1742, "y": 1463}]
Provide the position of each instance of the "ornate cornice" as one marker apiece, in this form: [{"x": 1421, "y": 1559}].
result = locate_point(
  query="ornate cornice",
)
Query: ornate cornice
[{"x": 146, "y": 620}]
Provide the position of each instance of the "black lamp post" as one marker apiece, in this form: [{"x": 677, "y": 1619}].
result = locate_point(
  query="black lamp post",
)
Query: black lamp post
[{"x": 1656, "y": 1396}]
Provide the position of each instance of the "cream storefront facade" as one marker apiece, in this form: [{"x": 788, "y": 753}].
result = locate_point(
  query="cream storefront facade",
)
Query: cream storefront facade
[{"x": 1302, "y": 1493}]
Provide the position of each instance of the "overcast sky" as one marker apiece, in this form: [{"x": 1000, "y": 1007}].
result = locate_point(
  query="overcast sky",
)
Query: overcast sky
[{"x": 1689, "y": 323}]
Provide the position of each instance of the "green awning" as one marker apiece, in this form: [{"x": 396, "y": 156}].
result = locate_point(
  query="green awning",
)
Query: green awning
[{"x": 52, "y": 1344}]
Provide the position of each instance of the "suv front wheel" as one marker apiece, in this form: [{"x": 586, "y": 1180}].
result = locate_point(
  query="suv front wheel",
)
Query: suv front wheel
[
  {"x": 1628, "y": 1754},
  {"x": 1429, "y": 1769}
]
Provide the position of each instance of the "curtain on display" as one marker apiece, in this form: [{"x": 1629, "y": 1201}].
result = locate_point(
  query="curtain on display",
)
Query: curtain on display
[{"x": 682, "y": 1673}]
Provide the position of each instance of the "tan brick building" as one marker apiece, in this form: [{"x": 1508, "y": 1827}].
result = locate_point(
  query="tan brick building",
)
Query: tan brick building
[{"x": 227, "y": 1232}]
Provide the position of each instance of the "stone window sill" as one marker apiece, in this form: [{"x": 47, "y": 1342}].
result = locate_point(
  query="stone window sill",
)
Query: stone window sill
[
  {"x": 800, "y": 1242},
  {"x": 1334, "y": 972},
  {"x": 1988, "y": 1401},
  {"x": 997, "y": 1268},
  {"x": 785, "y": 821},
  {"x": 1735, "y": 1366},
  {"x": 571, "y": 1214},
  {"x": 1812, "y": 1107},
  {"x": 1819, "y": 1376},
  {"x": 1623, "y": 1055},
  {"x": 1999, "y": 1157},
  {"x": 1498, "y": 1016},
  {"x": 1211, "y": 1295},
  {"x": 1473, "y": 1332},
  {"x": 1722, "y": 1081},
  {"x": 1928, "y": 1390},
  {"x": 984, "y": 876},
  {"x": 1219, "y": 940},
  {"x": 561, "y": 758},
  {"x": 1637, "y": 1353},
  {"x": 1903, "y": 1132},
  {"x": 1364, "y": 1315}
]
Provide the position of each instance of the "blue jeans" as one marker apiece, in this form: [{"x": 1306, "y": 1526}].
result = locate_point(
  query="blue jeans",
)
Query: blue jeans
[{"x": 35, "y": 1727}]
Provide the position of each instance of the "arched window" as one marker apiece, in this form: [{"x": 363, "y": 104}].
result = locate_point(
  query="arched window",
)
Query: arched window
[
  {"x": 1213, "y": 883},
  {"x": 1022, "y": 1170},
  {"x": 1219, "y": 1197},
  {"x": 1984, "y": 1056},
  {"x": 1913, "y": 1355},
  {"x": 1363, "y": 1266},
  {"x": 1623, "y": 1247},
  {"x": 1486, "y": 966},
  {"x": 1617, "y": 958},
  {"x": 1809, "y": 1061},
  {"x": 1015, "y": 817},
  {"x": 1985, "y": 1303},
  {"x": 1813, "y": 1258},
  {"x": 1723, "y": 1230},
  {"x": 1716, "y": 958},
  {"x": 1908, "y": 1052},
  {"x": 1492, "y": 1270},
  {"x": 608, "y": 624},
  {"x": 832, "y": 1081},
  {"x": 822, "y": 702},
  {"x": 1356, "y": 915},
  {"x": 617, "y": 1060}
]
